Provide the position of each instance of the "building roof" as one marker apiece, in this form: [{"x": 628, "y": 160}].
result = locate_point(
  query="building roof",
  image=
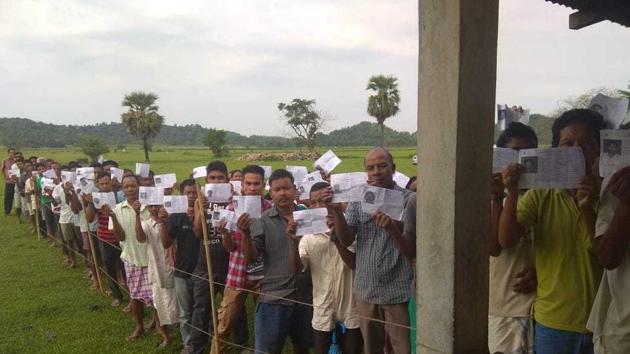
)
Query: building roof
[{"x": 593, "y": 11}]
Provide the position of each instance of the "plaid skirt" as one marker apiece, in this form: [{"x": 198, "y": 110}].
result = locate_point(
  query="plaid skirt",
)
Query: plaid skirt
[{"x": 138, "y": 283}]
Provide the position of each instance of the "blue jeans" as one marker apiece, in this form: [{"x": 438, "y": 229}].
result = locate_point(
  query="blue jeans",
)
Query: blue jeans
[
  {"x": 274, "y": 322},
  {"x": 554, "y": 341},
  {"x": 184, "y": 293}
]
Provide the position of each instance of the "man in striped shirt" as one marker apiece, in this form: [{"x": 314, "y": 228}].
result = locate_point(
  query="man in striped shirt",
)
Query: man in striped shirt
[{"x": 108, "y": 245}]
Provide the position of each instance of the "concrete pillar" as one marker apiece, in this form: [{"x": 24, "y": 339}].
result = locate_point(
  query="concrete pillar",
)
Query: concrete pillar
[{"x": 456, "y": 103}]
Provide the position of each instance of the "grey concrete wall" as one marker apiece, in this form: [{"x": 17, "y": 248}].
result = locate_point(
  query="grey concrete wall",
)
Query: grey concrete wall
[{"x": 456, "y": 100}]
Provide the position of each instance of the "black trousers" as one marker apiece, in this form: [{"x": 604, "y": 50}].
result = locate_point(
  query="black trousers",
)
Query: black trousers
[
  {"x": 111, "y": 258},
  {"x": 9, "y": 191},
  {"x": 202, "y": 317}
]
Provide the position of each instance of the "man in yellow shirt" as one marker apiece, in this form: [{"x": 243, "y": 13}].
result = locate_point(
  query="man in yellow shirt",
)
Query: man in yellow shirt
[{"x": 563, "y": 224}]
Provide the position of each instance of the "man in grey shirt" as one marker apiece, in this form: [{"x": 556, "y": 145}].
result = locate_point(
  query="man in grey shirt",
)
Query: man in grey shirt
[
  {"x": 278, "y": 315},
  {"x": 383, "y": 275}
]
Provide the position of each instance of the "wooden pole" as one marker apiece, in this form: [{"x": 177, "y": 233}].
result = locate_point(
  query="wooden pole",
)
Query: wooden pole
[
  {"x": 206, "y": 245},
  {"x": 93, "y": 251}
]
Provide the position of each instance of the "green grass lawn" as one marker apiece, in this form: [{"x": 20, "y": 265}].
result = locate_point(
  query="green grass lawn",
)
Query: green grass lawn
[{"x": 47, "y": 308}]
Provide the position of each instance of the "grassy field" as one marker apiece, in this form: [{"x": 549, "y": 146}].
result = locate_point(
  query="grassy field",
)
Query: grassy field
[
  {"x": 182, "y": 160},
  {"x": 47, "y": 308}
]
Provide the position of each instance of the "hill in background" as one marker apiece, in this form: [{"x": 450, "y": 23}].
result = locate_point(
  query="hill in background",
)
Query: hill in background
[{"x": 23, "y": 132}]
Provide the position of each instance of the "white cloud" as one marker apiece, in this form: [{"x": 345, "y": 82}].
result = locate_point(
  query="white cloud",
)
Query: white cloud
[{"x": 227, "y": 64}]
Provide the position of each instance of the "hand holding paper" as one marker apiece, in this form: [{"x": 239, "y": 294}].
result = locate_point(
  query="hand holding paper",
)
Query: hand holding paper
[
  {"x": 347, "y": 187},
  {"x": 100, "y": 199},
  {"x": 151, "y": 196},
  {"x": 311, "y": 221},
  {"x": 390, "y": 202},
  {"x": 176, "y": 204},
  {"x": 199, "y": 172},
  {"x": 250, "y": 204},
  {"x": 142, "y": 169},
  {"x": 327, "y": 162},
  {"x": 218, "y": 192},
  {"x": 166, "y": 180}
]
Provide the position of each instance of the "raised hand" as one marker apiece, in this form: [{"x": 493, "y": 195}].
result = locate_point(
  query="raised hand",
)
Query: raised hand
[
  {"x": 511, "y": 175},
  {"x": 619, "y": 185}
]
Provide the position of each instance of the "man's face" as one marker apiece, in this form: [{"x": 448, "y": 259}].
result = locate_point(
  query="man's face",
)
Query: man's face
[
  {"x": 316, "y": 199},
  {"x": 283, "y": 192},
  {"x": 105, "y": 184},
  {"x": 11, "y": 153},
  {"x": 20, "y": 164},
  {"x": 237, "y": 176},
  {"x": 130, "y": 188},
  {"x": 154, "y": 210},
  {"x": 578, "y": 135},
  {"x": 253, "y": 184},
  {"x": 518, "y": 143},
  {"x": 56, "y": 167},
  {"x": 216, "y": 176},
  {"x": 379, "y": 169},
  {"x": 28, "y": 167},
  {"x": 107, "y": 168},
  {"x": 147, "y": 181},
  {"x": 41, "y": 168},
  {"x": 191, "y": 193}
]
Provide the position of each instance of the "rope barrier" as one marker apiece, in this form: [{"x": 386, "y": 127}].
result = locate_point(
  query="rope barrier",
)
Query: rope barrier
[
  {"x": 286, "y": 299},
  {"x": 122, "y": 287}
]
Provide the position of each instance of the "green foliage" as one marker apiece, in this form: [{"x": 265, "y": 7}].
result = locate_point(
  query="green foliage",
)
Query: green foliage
[
  {"x": 38, "y": 135},
  {"x": 215, "y": 140},
  {"x": 303, "y": 119},
  {"x": 92, "y": 147},
  {"x": 582, "y": 100},
  {"x": 142, "y": 118},
  {"x": 383, "y": 103},
  {"x": 366, "y": 134}
]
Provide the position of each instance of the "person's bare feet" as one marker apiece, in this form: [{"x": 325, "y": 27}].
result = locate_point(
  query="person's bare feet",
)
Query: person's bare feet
[
  {"x": 127, "y": 308},
  {"x": 116, "y": 302},
  {"x": 135, "y": 335},
  {"x": 165, "y": 343}
]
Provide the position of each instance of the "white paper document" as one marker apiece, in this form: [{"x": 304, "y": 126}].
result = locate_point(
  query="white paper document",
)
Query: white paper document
[
  {"x": 85, "y": 172},
  {"x": 614, "y": 110},
  {"x": 268, "y": 171},
  {"x": 165, "y": 181},
  {"x": 348, "y": 187},
  {"x": 250, "y": 204},
  {"x": 100, "y": 199},
  {"x": 218, "y": 192},
  {"x": 85, "y": 186},
  {"x": 390, "y": 202},
  {"x": 401, "y": 179},
  {"x": 68, "y": 176},
  {"x": 14, "y": 172},
  {"x": 142, "y": 169},
  {"x": 311, "y": 221},
  {"x": 507, "y": 115},
  {"x": 176, "y": 204},
  {"x": 615, "y": 151},
  {"x": 327, "y": 162},
  {"x": 50, "y": 174},
  {"x": 117, "y": 173},
  {"x": 48, "y": 183},
  {"x": 305, "y": 187},
  {"x": 562, "y": 167},
  {"x": 236, "y": 187},
  {"x": 298, "y": 172},
  {"x": 502, "y": 158},
  {"x": 199, "y": 172},
  {"x": 151, "y": 195},
  {"x": 219, "y": 216}
]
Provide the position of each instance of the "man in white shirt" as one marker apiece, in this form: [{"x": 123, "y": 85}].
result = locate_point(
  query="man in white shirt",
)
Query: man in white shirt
[
  {"x": 333, "y": 299},
  {"x": 610, "y": 315},
  {"x": 65, "y": 197}
]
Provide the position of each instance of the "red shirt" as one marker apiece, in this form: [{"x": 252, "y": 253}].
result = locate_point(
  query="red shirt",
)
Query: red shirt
[
  {"x": 103, "y": 233},
  {"x": 237, "y": 268}
]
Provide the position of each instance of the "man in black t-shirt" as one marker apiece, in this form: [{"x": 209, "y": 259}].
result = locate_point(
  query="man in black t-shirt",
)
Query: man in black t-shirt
[
  {"x": 192, "y": 295},
  {"x": 216, "y": 173}
]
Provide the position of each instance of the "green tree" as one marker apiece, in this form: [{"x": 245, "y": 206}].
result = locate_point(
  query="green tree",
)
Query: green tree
[
  {"x": 92, "y": 147},
  {"x": 215, "y": 140},
  {"x": 384, "y": 102},
  {"x": 142, "y": 118},
  {"x": 303, "y": 119},
  {"x": 582, "y": 100}
]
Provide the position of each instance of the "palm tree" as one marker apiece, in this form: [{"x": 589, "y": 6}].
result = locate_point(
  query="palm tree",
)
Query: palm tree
[
  {"x": 384, "y": 102},
  {"x": 142, "y": 118}
]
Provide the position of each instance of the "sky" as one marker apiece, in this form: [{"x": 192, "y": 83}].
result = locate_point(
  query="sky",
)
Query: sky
[{"x": 227, "y": 64}]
